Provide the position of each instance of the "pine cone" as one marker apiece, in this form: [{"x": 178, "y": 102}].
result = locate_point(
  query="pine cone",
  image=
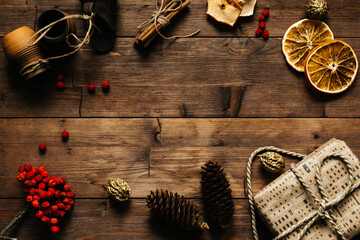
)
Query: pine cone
[
  {"x": 216, "y": 191},
  {"x": 176, "y": 209}
]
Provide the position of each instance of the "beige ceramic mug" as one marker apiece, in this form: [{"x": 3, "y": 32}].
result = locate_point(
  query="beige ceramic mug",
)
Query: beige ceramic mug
[{"x": 23, "y": 54}]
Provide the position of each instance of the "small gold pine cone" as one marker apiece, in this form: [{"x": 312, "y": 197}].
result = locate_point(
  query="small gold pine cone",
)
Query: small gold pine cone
[
  {"x": 118, "y": 189},
  {"x": 272, "y": 162}
]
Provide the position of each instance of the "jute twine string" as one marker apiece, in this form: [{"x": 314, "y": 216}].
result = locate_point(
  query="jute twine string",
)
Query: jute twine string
[
  {"x": 38, "y": 64},
  {"x": 159, "y": 17},
  {"x": 325, "y": 205}
]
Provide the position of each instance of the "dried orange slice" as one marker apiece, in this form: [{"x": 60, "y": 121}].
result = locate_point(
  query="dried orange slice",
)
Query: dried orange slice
[
  {"x": 301, "y": 38},
  {"x": 332, "y": 66}
]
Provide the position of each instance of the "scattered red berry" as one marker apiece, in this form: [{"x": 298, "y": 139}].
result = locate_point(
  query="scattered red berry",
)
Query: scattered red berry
[
  {"x": 105, "y": 85},
  {"x": 70, "y": 194},
  {"x": 67, "y": 207},
  {"x": 42, "y": 147},
  {"x": 60, "y": 77},
  {"x": 54, "y": 229},
  {"x": 65, "y": 134},
  {"x": 45, "y": 204},
  {"x": 262, "y": 18},
  {"x": 21, "y": 169},
  {"x": 60, "y": 85},
  {"x": 259, "y": 32},
  {"x": 91, "y": 88},
  {"x": 54, "y": 208},
  {"x": 266, "y": 34},
  {"x": 265, "y": 12},
  {"x": 36, "y": 197},
  {"x": 21, "y": 177},
  {"x": 41, "y": 169},
  {"x": 262, "y": 25},
  {"x": 60, "y": 205},
  {"x": 32, "y": 191}
]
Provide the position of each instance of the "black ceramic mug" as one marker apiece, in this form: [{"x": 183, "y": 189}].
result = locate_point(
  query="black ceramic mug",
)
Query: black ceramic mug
[{"x": 58, "y": 38}]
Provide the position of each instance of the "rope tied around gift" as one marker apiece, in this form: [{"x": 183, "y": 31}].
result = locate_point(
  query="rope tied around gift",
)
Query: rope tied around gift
[
  {"x": 325, "y": 205},
  {"x": 38, "y": 64},
  {"x": 158, "y": 16}
]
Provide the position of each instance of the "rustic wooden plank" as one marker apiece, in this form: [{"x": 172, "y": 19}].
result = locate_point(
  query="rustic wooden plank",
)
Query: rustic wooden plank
[
  {"x": 342, "y": 17},
  {"x": 150, "y": 153},
  {"x": 210, "y": 83},
  {"x": 213, "y": 81},
  {"x": 107, "y": 219}
]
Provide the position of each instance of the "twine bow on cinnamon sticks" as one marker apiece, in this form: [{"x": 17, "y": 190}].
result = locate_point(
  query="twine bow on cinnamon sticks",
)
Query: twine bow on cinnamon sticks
[{"x": 165, "y": 11}]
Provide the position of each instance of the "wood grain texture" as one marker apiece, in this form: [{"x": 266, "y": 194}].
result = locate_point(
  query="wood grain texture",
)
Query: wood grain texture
[
  {"x": 211, "y": 82},
  {"x": 156, "y": 153},
  {"x": 342, "y": 17}
]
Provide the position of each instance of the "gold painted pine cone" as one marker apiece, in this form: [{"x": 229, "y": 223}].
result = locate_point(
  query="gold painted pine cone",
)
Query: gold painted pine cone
[
  {"x": 118, "y": 189},
  {"x": 217, "y": 196},
  {"x": 177, "y": 210}
]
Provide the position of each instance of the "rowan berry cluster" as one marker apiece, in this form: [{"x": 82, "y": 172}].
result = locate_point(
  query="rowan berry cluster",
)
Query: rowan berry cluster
[
  {"x": 49, "y": 195},
  {"x": 261, "y": 29}
]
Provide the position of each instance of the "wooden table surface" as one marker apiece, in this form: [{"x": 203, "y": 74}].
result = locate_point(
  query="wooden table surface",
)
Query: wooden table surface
[{"x": 218, "y": 95}]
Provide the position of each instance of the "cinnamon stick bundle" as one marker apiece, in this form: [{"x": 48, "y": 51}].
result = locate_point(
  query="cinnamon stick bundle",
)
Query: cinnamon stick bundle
[{"x": 148, "y": 32}]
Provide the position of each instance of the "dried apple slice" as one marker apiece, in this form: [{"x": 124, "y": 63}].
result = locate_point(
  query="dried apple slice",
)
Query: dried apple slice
[
  {"x": 247, "y": 8},
  {"x": 224, "y": 11}
]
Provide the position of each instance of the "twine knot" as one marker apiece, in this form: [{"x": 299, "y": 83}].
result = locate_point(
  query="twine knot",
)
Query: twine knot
[
  {"x": 158, "y": 17},
  {"x": 322, "y": 210}
]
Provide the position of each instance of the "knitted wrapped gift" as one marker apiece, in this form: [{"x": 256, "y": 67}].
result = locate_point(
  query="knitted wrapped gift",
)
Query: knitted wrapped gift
[{"x": 318, "y": 198}]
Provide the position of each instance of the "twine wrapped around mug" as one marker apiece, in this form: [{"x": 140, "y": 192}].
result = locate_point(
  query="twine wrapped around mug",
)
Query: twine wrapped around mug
[
  {"x": 38, "y": 64},
  {"x": 325, "y": 205}
]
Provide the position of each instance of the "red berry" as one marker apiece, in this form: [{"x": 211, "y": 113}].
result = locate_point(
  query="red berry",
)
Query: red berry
[
  {"x": 60, "y": 205},
  {"x": 67, "y": 207},
  {"x": 28, "y": 167},
  {"x": 262, "y": 18},
  {"x": 21, "y": 176},
  {"x": 105, "y": 85},
  {"x": 91, "y": 87},
  {"x": 66, "y": 187},
  {"x": 259, "y": 32},
  {"x": 41, "y": 169},
  {"x": 29, "y": 198},
  {"x": 60, "y": 77},
  {"x": 45, "y": 204},
  {"x": 32, "y": 191},
  {"x": 70, "y": 194},
  {"x": 57, "y": 181},
  {"x": 265, "y": 12},
  {"x": 54, "y": 208},
  {"x": 39, "y": 214},
  {"x": 266, "y": 34},
  {"x": 66, "y": 200},
  {"x": 33, "y": 182},
  {"x": 51, "y": 183},
  {"x": 36, "y": 197},
  {"x": 38, "y": 177},
  {"x": 48, "y": 212},
  {"x": 34, "y": 170},
  {"x": 43, "y": 194},
  {"x": 62, "y": 181},
  {"x": 57, "y": 193},
  {"x": 44, "y": 219},
  {"x": 30, "y": 175},
  {"x": 54, "y": 221},
  {"x": 54, "y": 229},
  {"x": 261, "y": 25},
  {"x": 45, "y": 174},
  {"x": 63, "y": 194},
  {"x": 35, "y": 204},
  {"x": 41, "y": 186},
  {"x": 21, "y": 169},
  {"x": 60, "y": 85},
  {"x": 65, "y": 134},
  {"x": 61, "y": 213},
  {"x": 27, "y": 183},
  {"x": 42, "y": 147},
  {"x": 71, "y": 201}
]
